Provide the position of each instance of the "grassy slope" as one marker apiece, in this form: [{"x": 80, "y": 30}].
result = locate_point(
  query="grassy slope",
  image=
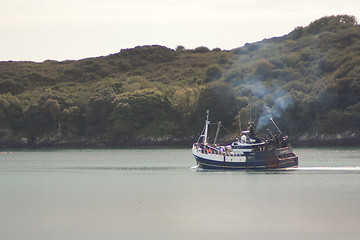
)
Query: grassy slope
[{"x": 316, "y": 70}]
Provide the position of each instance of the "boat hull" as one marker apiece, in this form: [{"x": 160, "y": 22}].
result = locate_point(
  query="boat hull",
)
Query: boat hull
[{"x": 253, "y": 160}]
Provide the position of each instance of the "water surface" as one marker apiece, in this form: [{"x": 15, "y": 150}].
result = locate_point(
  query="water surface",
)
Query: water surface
[{"x": 158, "y": 194}]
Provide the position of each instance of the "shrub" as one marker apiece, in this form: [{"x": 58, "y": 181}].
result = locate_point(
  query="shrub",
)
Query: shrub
[
  {"x": 180, "y": 48},
  {"x": 263, "y": 68},
  {"x": 213, "y": 73},
  {"x": 155, "y": 53},
  {"x": 10, "y": 86},
  {"x": 201, "y": 49},
  {"x": 241, "y": 50},
  {"x": 297, "y": 33},
  {"x": 331, "y": 23},
  {"x": 223, "y": 59}
]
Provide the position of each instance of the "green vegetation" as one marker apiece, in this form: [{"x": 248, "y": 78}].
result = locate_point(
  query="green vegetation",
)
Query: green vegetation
[{"x": 308, "y": 81}]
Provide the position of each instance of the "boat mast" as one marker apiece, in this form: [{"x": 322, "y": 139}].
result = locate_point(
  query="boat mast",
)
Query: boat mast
[{"x": 205, "y": 133}]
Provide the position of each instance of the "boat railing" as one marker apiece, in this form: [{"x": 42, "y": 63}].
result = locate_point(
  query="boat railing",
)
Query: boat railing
[{"x": 213, "y": 150}]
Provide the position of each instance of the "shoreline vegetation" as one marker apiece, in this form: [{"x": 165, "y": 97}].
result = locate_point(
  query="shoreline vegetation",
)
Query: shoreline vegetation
[
  {"x": 338, "y": 140},
  {"x": 308, "y": 81}
]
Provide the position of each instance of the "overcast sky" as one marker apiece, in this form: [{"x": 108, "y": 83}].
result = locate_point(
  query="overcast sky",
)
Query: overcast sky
[{"x": 38, "y": 30}]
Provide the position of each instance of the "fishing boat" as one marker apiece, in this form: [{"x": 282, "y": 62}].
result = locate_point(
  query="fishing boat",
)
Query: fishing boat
[{"x": 247, "y": 152}]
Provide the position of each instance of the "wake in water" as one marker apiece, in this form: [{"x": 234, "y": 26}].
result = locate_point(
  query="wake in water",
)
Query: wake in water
[{"x": 352, "y": 169}]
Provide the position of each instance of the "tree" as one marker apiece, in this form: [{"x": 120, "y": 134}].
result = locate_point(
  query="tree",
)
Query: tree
[
  {"x": 137, "y": 112},
  {"x": 184, "y": 101},
  {"x": 99, "y": 107},
  {"x": 122, "y": 121},
  {"x": 52, "y": 108},
  {"x": 72, "y": 121},
  {"x": 149, "y": 104},
  {"x": 221, "y": 101},
  {"x": 11, "y": 112},
  {"x": 36, "y": 122}
]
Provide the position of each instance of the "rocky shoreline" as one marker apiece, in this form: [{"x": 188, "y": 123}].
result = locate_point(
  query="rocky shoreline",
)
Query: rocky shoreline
[
  {"x": 54, "y": 142},
  {"x": 345, "y": 139}
]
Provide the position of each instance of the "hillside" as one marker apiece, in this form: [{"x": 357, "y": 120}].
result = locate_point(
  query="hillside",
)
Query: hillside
[{"x": 307, "y": 80}]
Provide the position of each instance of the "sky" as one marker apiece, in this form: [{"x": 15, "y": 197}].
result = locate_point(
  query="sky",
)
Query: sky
[{"x": 39, "y": 30}]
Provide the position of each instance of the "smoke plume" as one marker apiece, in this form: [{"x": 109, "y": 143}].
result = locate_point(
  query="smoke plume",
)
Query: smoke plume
[
  {"x": 281, "y": 103},
  {"x": 277, "y": 100}
]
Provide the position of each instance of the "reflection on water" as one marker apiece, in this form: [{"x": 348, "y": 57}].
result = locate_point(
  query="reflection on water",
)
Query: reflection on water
[{"x": 160, "y": 194}]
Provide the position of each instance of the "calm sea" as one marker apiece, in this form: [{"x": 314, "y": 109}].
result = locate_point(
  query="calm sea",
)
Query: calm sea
[{"x": 157, "y": 194}]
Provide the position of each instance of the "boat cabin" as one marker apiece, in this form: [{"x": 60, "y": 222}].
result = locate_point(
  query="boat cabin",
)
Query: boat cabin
[{"x": 247, "y": 143}]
